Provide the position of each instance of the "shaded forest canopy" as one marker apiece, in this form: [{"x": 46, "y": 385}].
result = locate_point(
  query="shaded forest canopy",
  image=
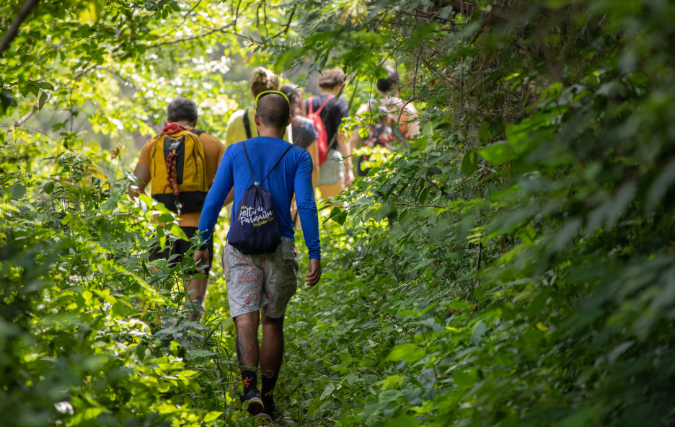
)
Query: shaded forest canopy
[{"x": 512, "y": 266}]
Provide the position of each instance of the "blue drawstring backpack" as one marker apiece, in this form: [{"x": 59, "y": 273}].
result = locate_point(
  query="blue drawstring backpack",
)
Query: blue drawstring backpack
[{"x": 255, "y": 229}]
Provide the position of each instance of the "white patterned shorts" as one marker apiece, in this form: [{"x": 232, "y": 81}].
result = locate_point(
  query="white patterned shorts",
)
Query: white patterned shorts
[{"x": 266, "y": 281}]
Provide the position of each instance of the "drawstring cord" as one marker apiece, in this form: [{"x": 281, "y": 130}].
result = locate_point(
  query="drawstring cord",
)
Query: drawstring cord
[
  {"x": 172, "y": 177},
  {"x": 171, "y": 173}
]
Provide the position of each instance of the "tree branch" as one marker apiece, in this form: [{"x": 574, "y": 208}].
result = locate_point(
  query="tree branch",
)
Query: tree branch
[
  {"x": 35, "y": 109},
  {"x": 236, "y": 16},
  {"x": 185, "y": 39},
  {"x": 14, "y": 27},
  {"x": 188, "y": 13},
  {"x": 185, "y": 17},
  {"x": 435, "y": 70},
  {"x": 351, "y": 100},
  {"x": 288, "y": 24},
  {"x": 403, "y": 109},
  {"x": 418, "y": 206}
]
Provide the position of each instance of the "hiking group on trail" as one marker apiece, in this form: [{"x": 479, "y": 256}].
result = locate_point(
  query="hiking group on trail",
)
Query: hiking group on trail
[{"x": 274, "y": 157}]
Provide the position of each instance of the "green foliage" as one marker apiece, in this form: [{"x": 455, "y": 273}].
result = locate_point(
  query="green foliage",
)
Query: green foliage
[
  {"x": 512, "y": 266},
  {"x": 91, "y": 332},
  {"x": 111, "y": 66},
  {"x": 532, "y": 284}
]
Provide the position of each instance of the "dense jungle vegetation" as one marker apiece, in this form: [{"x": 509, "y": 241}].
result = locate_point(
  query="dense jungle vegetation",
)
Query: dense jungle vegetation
[{"x": 512, "y": 266}]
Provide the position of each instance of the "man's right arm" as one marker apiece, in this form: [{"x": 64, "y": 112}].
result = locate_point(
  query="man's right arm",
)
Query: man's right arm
[
  {"x": 222, "y": 185},
  {"x": 142, "y": 171}
]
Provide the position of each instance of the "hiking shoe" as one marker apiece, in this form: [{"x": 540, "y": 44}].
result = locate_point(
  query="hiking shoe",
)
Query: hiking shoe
[
  {"x": 255, "y": 404},
  {"x": 270, "y": 411}
]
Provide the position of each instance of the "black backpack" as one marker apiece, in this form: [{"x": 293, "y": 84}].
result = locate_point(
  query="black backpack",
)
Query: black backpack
[
  {"x": 255, "y": 228},
  {"x": 247, "y": 124}
]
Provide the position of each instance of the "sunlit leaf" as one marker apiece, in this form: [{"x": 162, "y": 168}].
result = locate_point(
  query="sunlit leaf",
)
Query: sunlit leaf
[
  {"x": 498, "y": 153},
  {"x": 406, "y": 352},
  {"x": 327, "y": 391}
]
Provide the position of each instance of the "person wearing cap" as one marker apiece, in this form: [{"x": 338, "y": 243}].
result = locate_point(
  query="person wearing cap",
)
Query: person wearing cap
[{"x": 259, "y": 287}]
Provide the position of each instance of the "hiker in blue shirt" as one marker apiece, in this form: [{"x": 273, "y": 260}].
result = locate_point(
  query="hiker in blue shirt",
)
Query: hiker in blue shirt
[{"x": 260, "y": 260}]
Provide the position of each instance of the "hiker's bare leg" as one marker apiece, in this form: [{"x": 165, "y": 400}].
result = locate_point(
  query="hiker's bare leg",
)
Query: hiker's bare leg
[
  {"x": 272, "y": 351},
  {"x": 247, "y": 339},
  {"x": 198, "y": 296}
]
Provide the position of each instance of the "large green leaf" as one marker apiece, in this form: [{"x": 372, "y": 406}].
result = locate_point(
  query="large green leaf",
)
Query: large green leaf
[
  {"x": 327, "y": 391},
  {"x": 177, "y": 231},
  {"x": 406, "y": 352},
  {"x": 470, "y": 163},
  {"x": 498, "y": 153},
  {"x": 389, "y": 396}
]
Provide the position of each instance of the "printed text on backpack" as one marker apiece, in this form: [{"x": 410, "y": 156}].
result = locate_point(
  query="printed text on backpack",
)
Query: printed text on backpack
[{"x": 255, "y": 229}]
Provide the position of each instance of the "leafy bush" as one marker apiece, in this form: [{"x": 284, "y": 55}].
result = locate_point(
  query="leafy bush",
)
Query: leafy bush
[
  {"x": 91, "y": 333},
  {"x": 513, "y": 266}
]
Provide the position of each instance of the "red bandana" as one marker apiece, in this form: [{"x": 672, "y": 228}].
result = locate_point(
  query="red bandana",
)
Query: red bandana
[{"x": 171, "y": 128}]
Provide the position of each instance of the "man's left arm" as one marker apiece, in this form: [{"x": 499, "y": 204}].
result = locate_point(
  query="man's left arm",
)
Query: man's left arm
[
  {"x": 142, "y": 171},
  {"x": 309, "y": 217},
  {"x": 221, "y": 151}
]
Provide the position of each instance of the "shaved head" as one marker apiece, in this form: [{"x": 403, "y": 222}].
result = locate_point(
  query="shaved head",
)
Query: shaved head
[{"x": 273, "y": 110}]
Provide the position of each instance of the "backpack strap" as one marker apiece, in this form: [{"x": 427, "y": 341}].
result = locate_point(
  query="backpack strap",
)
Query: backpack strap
[
  {"x": 193, "y": 130},
  {"x": 197, "y": 133},
  {"x": 275, "y": 165},
  {"x": 153, "y": 172},
  {"x": 324, "y": 104},
  {"x": 247, "y": 127},
  {"x": 248, "y": 161},
  {"x": 268, "y": 173}
]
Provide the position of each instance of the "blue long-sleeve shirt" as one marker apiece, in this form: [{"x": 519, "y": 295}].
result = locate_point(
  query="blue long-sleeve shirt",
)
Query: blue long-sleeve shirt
[{"x": 293, "y": 174}]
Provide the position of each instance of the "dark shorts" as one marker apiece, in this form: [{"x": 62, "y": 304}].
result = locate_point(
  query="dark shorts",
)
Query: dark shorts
[{"x": 180, "y": 247}]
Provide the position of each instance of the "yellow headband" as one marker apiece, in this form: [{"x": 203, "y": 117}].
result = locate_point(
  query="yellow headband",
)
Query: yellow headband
[{"x": 270, "y": 91}]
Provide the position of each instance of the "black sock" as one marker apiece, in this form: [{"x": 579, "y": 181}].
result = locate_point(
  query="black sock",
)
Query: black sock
[
  {"x": 249, "y": 379},
  {"x": 267, "y": 389}
]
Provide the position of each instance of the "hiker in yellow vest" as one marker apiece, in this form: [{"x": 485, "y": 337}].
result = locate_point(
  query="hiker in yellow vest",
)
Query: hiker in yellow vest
[
  {"x": 181, "y": 163},
  {"x": 242, "y": 126}
]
